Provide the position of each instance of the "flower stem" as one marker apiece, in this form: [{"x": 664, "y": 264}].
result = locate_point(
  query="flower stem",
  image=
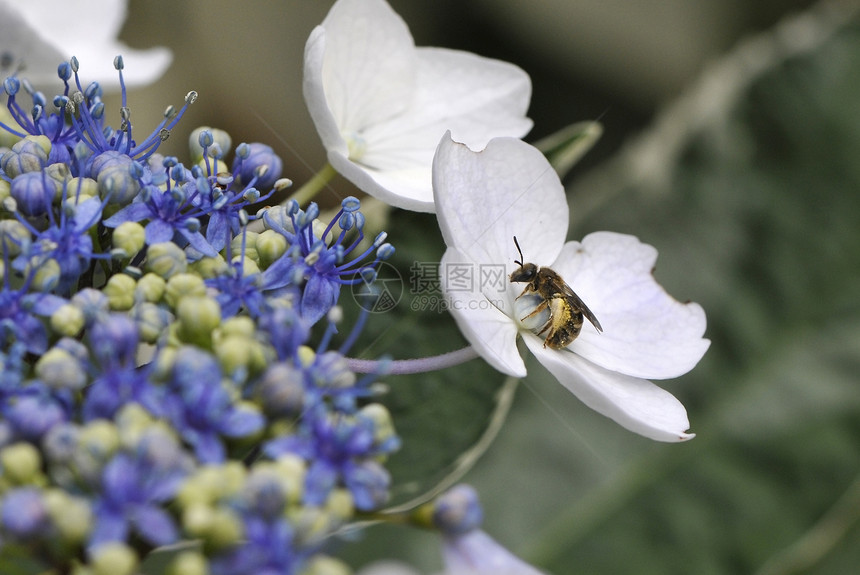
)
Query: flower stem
[
  {"x": 407, "y": 366},
  {"x": 312, "y": 187}
]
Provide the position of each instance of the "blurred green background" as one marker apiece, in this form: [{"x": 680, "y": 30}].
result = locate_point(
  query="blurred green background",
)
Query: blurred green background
[{"x": 732, "y": 136}]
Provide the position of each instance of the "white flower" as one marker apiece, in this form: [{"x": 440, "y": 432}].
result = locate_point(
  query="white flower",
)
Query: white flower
[
  {"x": 380, "y": 104},
  {"x": 476, "y": 553},
  {"x": 473, "y": 553},
  {"x": 482, "y": 201},
  {"x": 43, "y": 33}
]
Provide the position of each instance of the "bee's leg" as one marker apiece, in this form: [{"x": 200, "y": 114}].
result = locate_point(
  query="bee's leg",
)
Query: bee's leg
[
  {"x": 528, "y": 289},
  {"x": 540, "y": 307}
]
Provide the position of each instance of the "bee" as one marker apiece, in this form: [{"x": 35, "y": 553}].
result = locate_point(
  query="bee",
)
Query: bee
[{"x": 565, "y": 308}]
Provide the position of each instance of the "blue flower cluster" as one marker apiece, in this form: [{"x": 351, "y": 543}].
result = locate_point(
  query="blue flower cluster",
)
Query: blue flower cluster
[{"x": 157, "y": 377}]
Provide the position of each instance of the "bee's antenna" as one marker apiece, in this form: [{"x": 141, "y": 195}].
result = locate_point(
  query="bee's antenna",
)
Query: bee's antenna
[{"x": 516, "y": 243}]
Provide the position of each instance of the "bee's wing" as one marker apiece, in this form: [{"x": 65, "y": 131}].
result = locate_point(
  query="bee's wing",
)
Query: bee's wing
[{"x": 577, "y": 303}]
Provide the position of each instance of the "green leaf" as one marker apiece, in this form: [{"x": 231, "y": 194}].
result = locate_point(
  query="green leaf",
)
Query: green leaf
[
  {"x": 566, "y": 147},
  {"x": 17, "y": 559}
]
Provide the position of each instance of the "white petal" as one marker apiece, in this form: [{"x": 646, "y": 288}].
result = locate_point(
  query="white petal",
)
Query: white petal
[
  {"x": 476, "y": 553},
  {"x": 52, "y": 37},
  {"x": 407, "y": 188},
  {"x": 490, "y": 330},
  {"x": 476, "y": 98},
  {"x": 387, "y": 568},
  {"x": 485, "y": 198},
  {"x": 381, "y": 105},
  {"x": 646, "y": 333},
  {"x": 636, "y": 404},
  {"x": 359, "y": 68}
]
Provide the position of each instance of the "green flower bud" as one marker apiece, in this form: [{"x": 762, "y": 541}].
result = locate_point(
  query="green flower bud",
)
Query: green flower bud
[
  {"x": 12, "y": 234},
  {"x": 325, "y": 565},
  {"x": 21, "y": 464},
  {"x": 5, "y": 194},
  {"x": 151, "y": 287},
  {"x": 129, "y": 237},
  {"x": 113, "y": 559},
  {"x": 47, "y": 275},
  {"x": 290, "y": 471},
  {"x": 7, "y": 139},
  {"x": 236, "y": 352},
  {"x": 211, "y": 483},
  {"x": 132, "y": 422},
  {"x": 208, "y": 268},
  {"x": 270, "y": 246},
  {"x": 217, "y": 166},
  {"x": 226, "y": 528},
  {"x": 383, "y": 425},
  {"x": 27, "y": 155},
  {"x": 250, "y": 246},
  {"x": 319, "y": 228},
  {"x": 68, "y": 320},
  {"x": 119, "y": 290},
  {"x": 219, "y": 137},
  {"x": 166, "y": 259},
  {"x": 340, "y": 505},
  {"x": 82, "y": 188},
  {"x": 151, "y": 319},
  {"x": 98, "y": 439},
  {"x": 249, "y": 266},
  {"x": 183, "y": 285},
  {"x": 164, "y": 361},
  {"x": 116, "y": 182},
  {"x": 60, "y": 370},
  {"x": 188, "y": 563},
  {"x": 197, "y": 519},
  {"x": 59, "y": 173},
  {"x": 197, "y": 319},
  {"x": 217, "y": 526},
  {"x": 240, "y": 325},
  {"x": 306, "y": 356},
  {"x": 71, "y": 516}
]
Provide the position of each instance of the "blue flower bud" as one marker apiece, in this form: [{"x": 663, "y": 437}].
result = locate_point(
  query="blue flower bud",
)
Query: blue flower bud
[
  {"x": 11, "y": 85},
  {"x": 385, "y": 251},
  {"x": 114, "y": 340},
  {"x": 64, "y": 71},
  {"x": 24, "y": 514},
  {"x": 92, "y": 303},
  {"x": 34, "y": 192},
  {"x": 281, "y": 390},
  {"x": 60, "y": 443},
  {"x": 458, "y": 510},
  {"x": 261, "y": 163}
]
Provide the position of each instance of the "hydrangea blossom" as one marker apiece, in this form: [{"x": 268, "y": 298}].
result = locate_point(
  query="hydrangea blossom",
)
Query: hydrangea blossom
[
  {"x": 40, "y": 33},
  {"x": 380, "y": 104},
  {"x": 165, "y": 359},
  {"x": 483, "y": 201}
]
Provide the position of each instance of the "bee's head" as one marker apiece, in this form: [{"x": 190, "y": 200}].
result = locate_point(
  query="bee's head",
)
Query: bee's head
[{"x": 526, "y": 272}]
